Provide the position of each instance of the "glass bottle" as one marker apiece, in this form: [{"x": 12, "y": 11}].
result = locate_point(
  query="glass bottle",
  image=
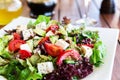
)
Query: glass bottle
[
  {"x": 41, "y": 7},
  {"x": 107, "y": 6}
]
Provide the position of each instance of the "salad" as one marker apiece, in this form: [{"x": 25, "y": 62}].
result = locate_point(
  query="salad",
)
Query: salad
[{"x": 49, "y": 50}]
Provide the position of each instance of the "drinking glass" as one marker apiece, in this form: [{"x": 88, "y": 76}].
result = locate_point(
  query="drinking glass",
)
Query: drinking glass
[
  {"x": 87, "y": 21},
  {"x": 9, "y": 9},
  {"x": 118, "y": 4},
  {"x": 41, "y": 7}
]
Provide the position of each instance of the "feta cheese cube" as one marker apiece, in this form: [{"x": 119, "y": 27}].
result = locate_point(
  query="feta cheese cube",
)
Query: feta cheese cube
[
  {"x": 27, "y": 34},
  {"x": 21, "y": 28},
  {"x": 25, "y": 47},
  {"x": 87, "y": 51},
  {"x": 62, "y": 43},
  {"x": 45, "y": 67}
]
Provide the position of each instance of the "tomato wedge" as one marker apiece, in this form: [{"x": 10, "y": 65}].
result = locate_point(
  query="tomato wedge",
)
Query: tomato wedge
[
  {"x": 16, "y": 36},
  {"x": 14, "y": 45},
  {"x": 43, "y": 40},
  {"x": 52, "y": 49},
  {"x": 24, "y": 54},
  {"x": 53, "y": 28},
  {"x": 72, "y": 53}
]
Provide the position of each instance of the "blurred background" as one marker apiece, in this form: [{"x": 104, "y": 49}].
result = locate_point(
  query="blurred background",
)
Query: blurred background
[
  {"x": 105, "y": 12},
  {"x": 57, "y": 9}
]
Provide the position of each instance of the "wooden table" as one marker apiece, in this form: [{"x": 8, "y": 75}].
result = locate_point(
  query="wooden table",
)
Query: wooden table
[{"x": 74, "y": 9}]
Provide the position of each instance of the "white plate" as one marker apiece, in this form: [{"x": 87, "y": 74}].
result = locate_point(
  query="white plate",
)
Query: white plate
[{"x": 108, "y": 36}]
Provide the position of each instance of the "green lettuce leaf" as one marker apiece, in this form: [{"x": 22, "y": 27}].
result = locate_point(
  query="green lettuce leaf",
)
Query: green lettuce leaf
[
  {"x": 35, "y": 76},
  {"x": 42, "y": 18},
  {"x": 3, "y": 61},
  {"x": 30, "y": 65},
  {"x": 99, "y": 51},
  {"x": 6, "y": 54},
  {"x": 24, "y": 74},
  {"x": 3, "y": 42},
  {"x": 11, "y": 71},
  {"x": 3, "y": 69},
  {"x": 30, "y": 25}
]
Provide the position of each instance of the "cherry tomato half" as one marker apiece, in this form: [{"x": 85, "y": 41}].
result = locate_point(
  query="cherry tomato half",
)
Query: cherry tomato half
[
  {"x": 53, "y": 28},
  {"x": 24, "y": 54},
  {"x": 16, "y": 36},
  {"x": 43, "y": 40},
  {"x": 52, "y": 49},
  {"x": 14, "y": 45},
  {"x": 72, "y": 53}
]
